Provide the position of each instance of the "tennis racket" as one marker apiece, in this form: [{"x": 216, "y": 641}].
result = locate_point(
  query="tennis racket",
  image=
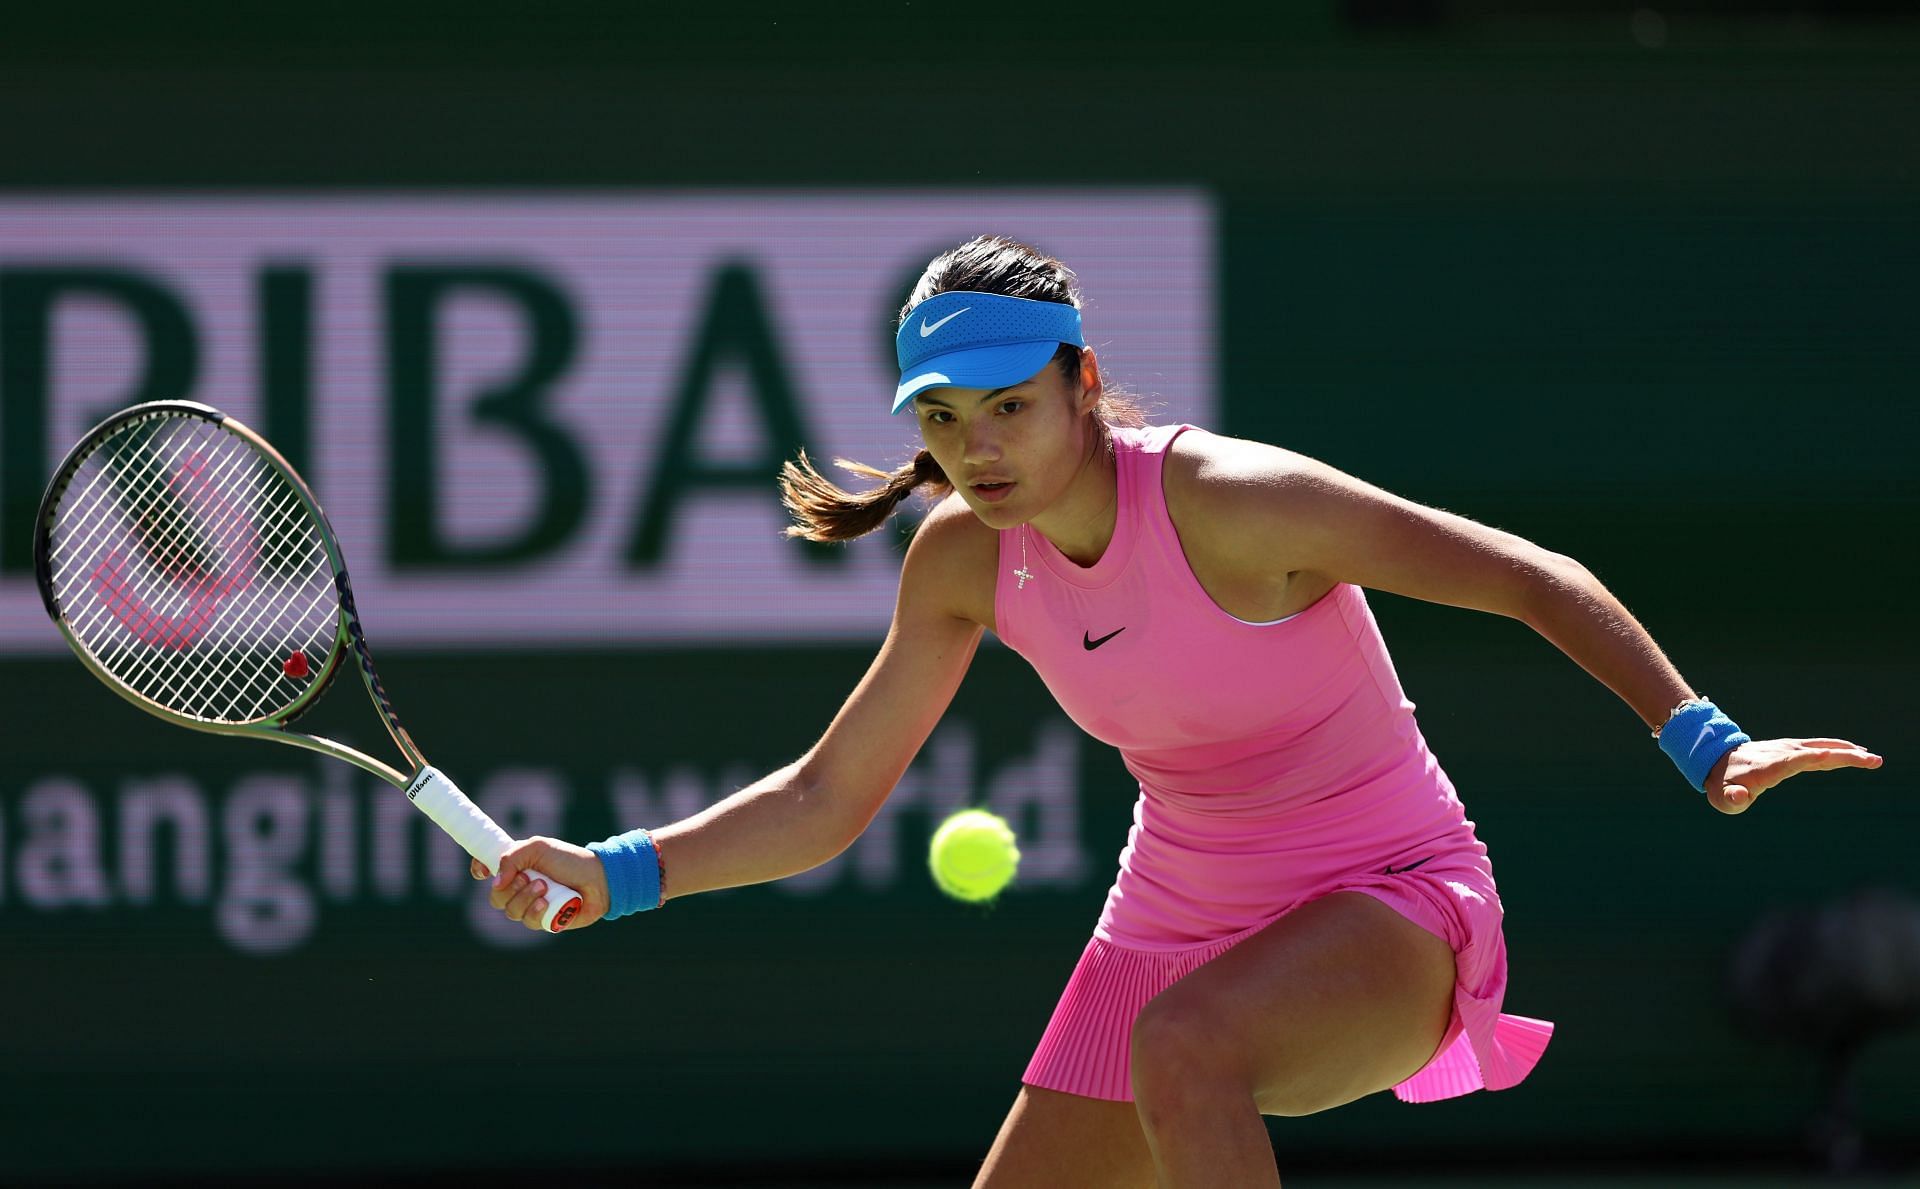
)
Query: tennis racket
[{"x": 191, "y": 570}]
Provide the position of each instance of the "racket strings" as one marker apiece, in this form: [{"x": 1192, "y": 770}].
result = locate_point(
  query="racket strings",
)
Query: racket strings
[
  {"x": 95, "y": 523},
  {"x": 167, "y": 552},
  {"x": 171, "y": 668},
  {"x": 246, "y": 619},
  {"x": 190, "y": 569},
  {"x": 149, "y": 614},
  {"x": 173, "y": 663}
]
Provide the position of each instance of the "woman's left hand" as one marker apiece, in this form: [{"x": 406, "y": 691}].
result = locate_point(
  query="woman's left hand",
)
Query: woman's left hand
[{"x": 1752, "y": 768}]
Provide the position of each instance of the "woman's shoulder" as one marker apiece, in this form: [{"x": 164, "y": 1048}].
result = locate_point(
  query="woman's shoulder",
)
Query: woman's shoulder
[
  {"x": 952, "y": 558},
  {"x": 1235, "y": 505},
  {"x": 1216, "y": 474},
  {"x": 953, "y": 525}
]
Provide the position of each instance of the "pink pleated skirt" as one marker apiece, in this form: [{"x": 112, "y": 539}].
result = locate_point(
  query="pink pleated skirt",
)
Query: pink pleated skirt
[{"x": 1085, "y": 1049}]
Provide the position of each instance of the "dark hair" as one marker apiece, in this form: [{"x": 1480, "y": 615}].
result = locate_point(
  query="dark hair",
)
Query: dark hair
[{"x": 824, "y": 511}]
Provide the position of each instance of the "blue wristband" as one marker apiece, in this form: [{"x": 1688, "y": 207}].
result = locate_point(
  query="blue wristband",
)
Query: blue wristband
[
  {"x": 633, "y": 872},
  {"x": 1695, "y": 738}
]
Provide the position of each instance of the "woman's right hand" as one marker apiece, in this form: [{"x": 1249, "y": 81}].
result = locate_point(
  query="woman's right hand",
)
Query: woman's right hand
[{"x": 519, "y": 890}]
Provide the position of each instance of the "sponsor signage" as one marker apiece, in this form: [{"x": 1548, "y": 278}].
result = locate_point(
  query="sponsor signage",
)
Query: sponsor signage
[
  {"x": 552, "y": 419},
  {"x": 267, "y": 855}
]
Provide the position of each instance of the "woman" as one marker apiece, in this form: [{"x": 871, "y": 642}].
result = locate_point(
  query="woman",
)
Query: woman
[{"x": 1302, "y": 914}]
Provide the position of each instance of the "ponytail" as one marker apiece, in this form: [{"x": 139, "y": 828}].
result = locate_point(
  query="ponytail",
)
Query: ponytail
[{"x": 825, "y": 511}]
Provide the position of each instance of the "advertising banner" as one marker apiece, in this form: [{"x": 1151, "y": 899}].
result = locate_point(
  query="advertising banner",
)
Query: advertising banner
[{"x": 553, "y": 419}]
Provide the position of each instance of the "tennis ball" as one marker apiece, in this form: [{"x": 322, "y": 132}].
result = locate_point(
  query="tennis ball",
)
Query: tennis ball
[{"x": 973, "y": 855}]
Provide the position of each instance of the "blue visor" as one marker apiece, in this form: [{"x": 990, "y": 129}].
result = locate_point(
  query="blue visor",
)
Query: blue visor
[{"x": 979, "y": 340}]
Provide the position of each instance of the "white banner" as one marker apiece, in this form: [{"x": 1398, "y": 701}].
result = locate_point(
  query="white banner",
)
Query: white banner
[{"x": 553, "y": 418}]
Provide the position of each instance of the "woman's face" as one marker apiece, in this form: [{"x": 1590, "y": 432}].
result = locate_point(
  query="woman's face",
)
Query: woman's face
[{"x": 1011, "y": 452}]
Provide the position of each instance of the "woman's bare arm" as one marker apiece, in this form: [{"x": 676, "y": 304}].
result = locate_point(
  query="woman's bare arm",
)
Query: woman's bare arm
[
  {"x": 1321, "y": 520},
  {"x": 809, "y": 811}
]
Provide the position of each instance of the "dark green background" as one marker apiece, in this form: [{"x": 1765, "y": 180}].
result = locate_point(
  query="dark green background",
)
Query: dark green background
[{"x": 1655, "y": 309}]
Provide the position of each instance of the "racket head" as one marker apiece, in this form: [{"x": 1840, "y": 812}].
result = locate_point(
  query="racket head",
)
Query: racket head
[{"x": 186, "y": 563}]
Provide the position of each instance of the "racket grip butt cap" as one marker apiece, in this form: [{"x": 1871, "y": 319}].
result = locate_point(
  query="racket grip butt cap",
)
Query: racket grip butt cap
[{"x": 563, "y": 903}]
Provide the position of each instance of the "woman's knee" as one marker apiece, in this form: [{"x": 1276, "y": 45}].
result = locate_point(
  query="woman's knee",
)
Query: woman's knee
[
  {"x": 1184, "y": 1057},
  {"x": 1179, "y": 1054}
]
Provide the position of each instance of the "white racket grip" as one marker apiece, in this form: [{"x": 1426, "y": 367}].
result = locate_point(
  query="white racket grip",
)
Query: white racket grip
[{"x": 467, "y": 824}]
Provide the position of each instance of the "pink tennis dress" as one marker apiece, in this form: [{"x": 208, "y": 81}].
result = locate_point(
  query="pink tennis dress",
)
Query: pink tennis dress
[{"x": 1278, "y": 762}]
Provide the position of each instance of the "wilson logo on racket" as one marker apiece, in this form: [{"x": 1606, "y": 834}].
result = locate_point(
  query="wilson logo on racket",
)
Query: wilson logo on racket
[{"x": 198, "y": 568}]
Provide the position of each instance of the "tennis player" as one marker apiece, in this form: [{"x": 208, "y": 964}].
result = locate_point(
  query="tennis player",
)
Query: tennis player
[{"x": 1302, "y": 914}]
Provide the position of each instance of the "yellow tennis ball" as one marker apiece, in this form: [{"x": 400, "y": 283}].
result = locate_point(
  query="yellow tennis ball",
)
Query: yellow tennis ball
[{"x": 973, "y": 855}]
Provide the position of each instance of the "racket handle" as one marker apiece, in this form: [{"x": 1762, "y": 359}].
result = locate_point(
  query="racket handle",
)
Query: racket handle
[{"x": 466, "y": 823}]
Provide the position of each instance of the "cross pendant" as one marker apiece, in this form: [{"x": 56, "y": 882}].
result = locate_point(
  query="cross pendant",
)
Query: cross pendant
[{"x": 1022, "y": 574}]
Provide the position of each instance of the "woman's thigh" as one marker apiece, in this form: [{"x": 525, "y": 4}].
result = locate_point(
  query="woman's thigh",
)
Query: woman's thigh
[
  {"x": 1052, "y": 1140},
  {"x": 1340, "y": 998}
]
